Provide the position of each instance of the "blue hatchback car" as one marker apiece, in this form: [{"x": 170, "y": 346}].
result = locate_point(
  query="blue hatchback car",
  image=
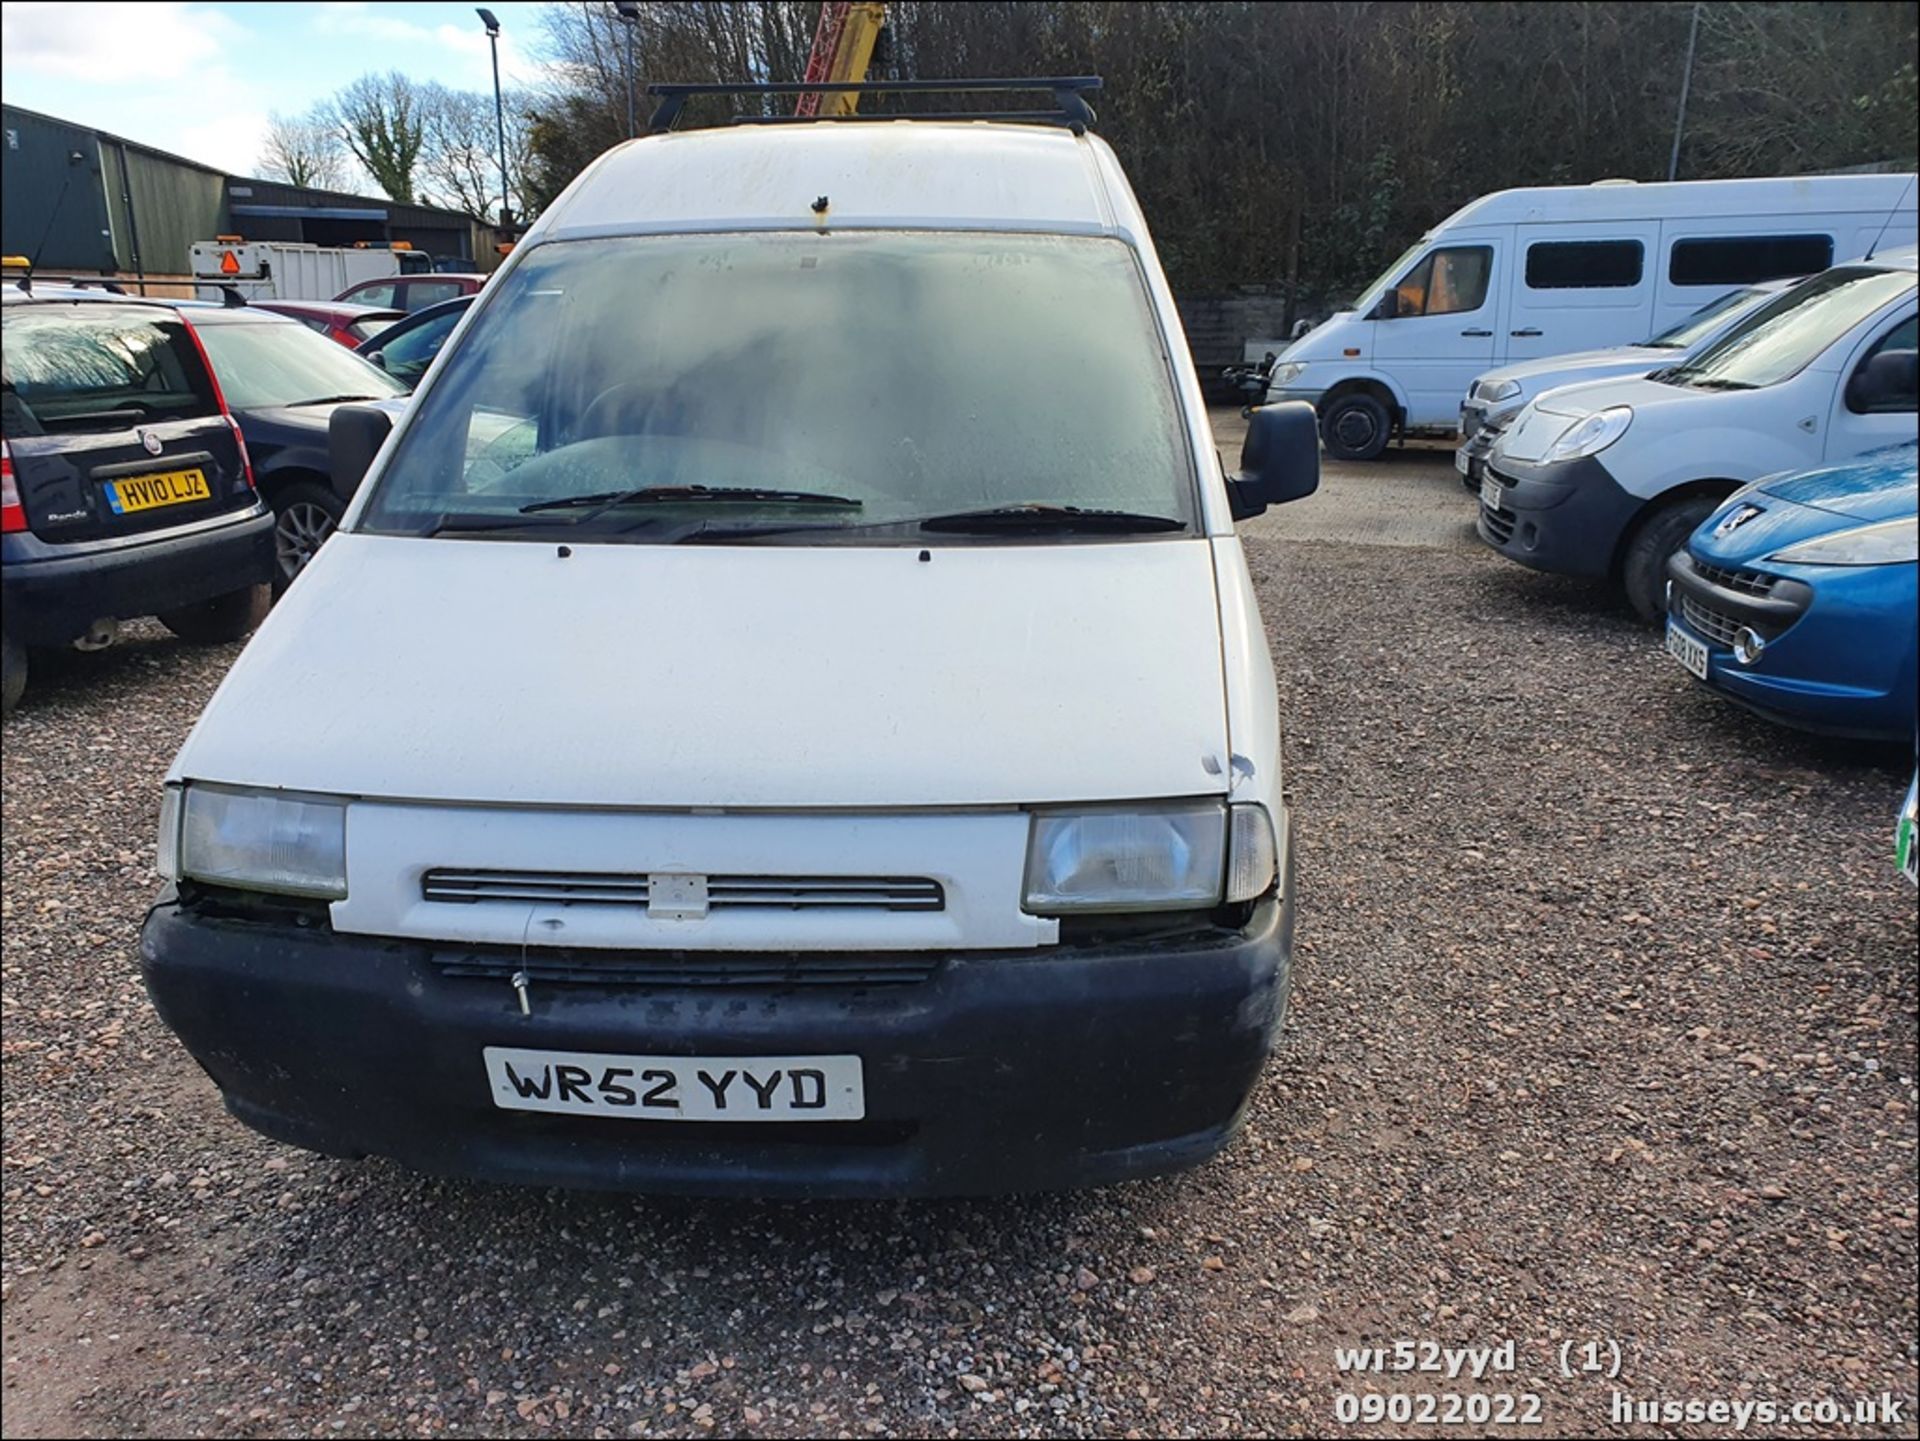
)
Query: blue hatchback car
[{"x": 1797, "y": 597}]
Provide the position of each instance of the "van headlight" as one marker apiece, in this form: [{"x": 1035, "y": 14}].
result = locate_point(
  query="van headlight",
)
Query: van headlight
[
  {"x": 255, "y": 840},
  {"x": 1188, "y": 855},
  {"x": 1283, "y": 374},
  {"x": 1890, "y": 542},
  {"x": 1592, "y": 435},
  {"x": 1499, "y": 390}
]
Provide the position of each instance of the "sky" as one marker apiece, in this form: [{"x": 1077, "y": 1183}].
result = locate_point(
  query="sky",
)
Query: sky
[{"x": 200, "y": 80}]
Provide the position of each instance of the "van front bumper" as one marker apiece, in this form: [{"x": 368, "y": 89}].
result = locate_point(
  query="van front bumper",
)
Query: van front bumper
[
  {"x": 1567, "y": 516},
  {"x": 1000, "y": 1072},
  {"x": 1311, "y": 394}
]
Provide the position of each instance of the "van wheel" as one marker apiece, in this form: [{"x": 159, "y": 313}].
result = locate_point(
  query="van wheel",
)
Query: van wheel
[
  {"x": 1643, "y": 569},
  {"x": 1355, "y": 426},
  {"x": 304, "y": 515},
  {"x": 13, "y": 673},
  {"x": 226, "y": 617}
]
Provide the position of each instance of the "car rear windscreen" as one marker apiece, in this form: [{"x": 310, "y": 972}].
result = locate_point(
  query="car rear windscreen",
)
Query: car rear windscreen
[{"x": 94, "y": 366}]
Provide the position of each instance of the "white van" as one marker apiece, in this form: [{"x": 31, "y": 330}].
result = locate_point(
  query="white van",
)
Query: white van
[
  {"x": 1523, "y": 274},
  {"x": 733, "y": 745},
  {"x": 1609, "y": 478}
]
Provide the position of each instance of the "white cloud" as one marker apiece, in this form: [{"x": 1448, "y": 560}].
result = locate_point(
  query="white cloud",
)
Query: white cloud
[
  {"x": 141, "y": 41},
  {"x": 350, "y": 18},
  {"x": 233, "y": 140}
]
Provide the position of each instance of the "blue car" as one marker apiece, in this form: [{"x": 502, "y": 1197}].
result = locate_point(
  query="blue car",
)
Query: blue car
[{"x": 1797, "y": 597}]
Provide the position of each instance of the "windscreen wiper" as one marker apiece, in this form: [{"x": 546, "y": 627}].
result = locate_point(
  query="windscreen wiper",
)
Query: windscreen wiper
[
  {"x": 1015, "y": 518},
  {"x": 606, "y": 500},
  {"x": 477, "y": 523},
  {"x": 1721, "y": 383},
  {"x": 333, "y": 400}
]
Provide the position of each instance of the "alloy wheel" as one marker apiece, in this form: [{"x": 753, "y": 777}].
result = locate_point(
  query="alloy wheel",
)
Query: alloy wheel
[{"x": 298, "y": 533}]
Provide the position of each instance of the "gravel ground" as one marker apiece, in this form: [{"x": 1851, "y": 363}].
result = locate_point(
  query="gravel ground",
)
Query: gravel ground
[{"x": 1604, "y": 1028}]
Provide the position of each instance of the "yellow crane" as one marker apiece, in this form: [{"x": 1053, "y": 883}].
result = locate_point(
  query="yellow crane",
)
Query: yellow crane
[{"x": 842, "y": 49}]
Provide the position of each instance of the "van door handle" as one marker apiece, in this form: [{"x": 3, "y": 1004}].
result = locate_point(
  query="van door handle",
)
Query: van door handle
[
  {"x": 1477, "y": 334},
  {"x": 1528, "y": 332}
]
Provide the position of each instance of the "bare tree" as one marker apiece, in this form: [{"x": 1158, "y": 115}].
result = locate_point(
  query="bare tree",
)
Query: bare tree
[
  {"x": 303, "y": 150},
  {"x": 460, "y": 160},
  {"x": 382, "y": 121}
]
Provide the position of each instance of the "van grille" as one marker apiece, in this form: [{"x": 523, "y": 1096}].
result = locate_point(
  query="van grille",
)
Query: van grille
[
  {"x": 1499, "y": 524},
  {"x": 701, "y": 969},
  {"x": 615, "y": 888}
]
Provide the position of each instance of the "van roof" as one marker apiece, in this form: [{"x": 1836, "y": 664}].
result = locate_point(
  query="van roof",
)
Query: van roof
[
  {"x": 973, "y": 175},
  {"x": 1684, "y": 199}
]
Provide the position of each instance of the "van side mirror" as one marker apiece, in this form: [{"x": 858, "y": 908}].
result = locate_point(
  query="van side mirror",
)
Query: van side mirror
[
  {"x": 355, "y": 434},
  {"x": 1280, "y": 460},
  {"x": 1389, "y": 306},
  {"x": 1886, "y": 382}
]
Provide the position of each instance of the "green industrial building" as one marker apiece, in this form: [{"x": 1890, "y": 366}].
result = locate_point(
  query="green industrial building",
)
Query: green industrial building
[{"x": 76, "y": 200}]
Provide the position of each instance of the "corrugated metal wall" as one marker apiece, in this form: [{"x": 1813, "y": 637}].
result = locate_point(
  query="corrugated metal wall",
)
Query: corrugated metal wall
[
  {"x": 48, "y": 204},
  {"x": 173, "y": 206}
]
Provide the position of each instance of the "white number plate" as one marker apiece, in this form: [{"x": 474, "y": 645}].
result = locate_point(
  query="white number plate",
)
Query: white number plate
[
  {"x": 1462, "y": 462},
  {"x": 677, "y": 1088},
  {"x": 1688, "y": 651},
  {"x": 1490, "y": 494}
]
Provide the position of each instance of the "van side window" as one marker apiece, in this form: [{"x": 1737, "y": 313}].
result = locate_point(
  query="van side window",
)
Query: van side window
[
  {"x": 1904, "y": 336},
  {"x": 1447, "y": 282},
  {"x": 1585, "y": 264},
  {"x": 1747, "y": 259}
]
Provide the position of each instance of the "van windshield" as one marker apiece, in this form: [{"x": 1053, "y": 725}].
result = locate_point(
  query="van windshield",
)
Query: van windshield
[
  {"x": 1363, "y": 302},
  {"x": 1782, "y": 336},
  {"x": 1687, "y": 332},
  {"x": 800, "y": 385}
]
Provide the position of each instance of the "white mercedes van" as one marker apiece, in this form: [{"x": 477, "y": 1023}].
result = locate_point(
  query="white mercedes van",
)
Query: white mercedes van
[
  {"x": 785, "y": 711},
  {"x": 1523, "y": 274}
]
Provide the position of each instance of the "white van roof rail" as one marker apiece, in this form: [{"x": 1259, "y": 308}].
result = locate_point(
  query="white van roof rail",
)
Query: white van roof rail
[{"x": 1069, "y": 99}]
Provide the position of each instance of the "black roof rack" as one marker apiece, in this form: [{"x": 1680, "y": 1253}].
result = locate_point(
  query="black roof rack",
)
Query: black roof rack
[
  {"x": 1069, "y": 99},
  {"x": 70, "y": 282}
]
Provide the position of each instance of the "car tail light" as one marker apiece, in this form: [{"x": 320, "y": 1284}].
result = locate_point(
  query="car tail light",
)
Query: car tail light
[
  {"x": 220, "y": 399},
  {"x": 246, "y": 461},
  {"x": 13, "y": 515}
]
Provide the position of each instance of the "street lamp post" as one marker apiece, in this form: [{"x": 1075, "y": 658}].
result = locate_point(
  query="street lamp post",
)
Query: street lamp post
[
  {"x": 1686, "y": 83},
  {"x": 629, "y": 13},
  {"x": 488, "y": 19}
]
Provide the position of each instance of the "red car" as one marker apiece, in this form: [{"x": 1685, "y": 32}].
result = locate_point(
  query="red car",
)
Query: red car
[
  {"x": 413, "y": 292},
  {"x": 345, "y": 322}
]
